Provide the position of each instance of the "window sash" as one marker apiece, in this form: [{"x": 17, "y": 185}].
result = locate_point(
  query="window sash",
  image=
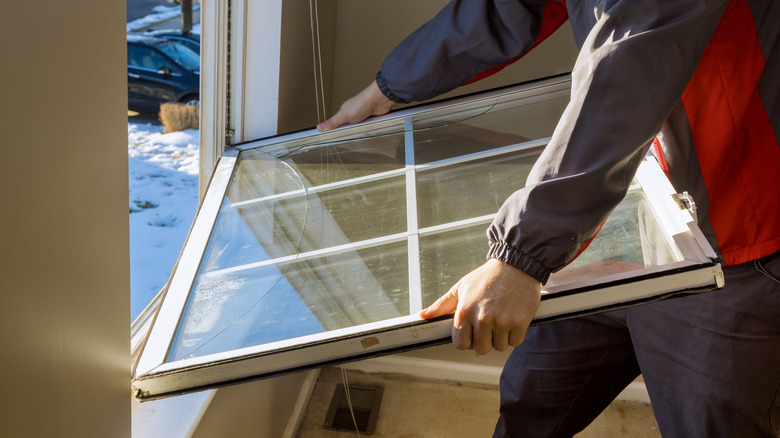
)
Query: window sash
[{"x": 694, "y": 271}]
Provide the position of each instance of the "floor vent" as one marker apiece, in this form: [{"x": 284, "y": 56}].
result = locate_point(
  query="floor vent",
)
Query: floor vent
[{"x": 365, "y": 406}]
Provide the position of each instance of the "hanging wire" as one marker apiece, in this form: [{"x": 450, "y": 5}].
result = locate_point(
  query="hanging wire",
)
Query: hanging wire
[
  {"x": 345, "y": 382},
  {"x": 316, "y": 54},
  {"x": 319, "y": 57},
  {"x": 314, "y": 61}
]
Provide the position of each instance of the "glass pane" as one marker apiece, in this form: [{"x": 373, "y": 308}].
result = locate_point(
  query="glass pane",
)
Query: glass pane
[
  {"x": 345, "y": 135},
  {"x": 251, "y": 226},
  {"x": 278, "y": 227},
  {"x": 630, "y": 239},
  {"x": 324, "y": 159},
  {"x": 332, "y": 163},
  {"x": 488, "y": 126},
  {"x": 448, "y": 256},
  {"x": 253, "y": 233},
  {"x": 229, "y": 310},
  {"x": 354, "y": 213},
  {"x": 259, "y": 174},
  {"x": 485, "y": 184}
]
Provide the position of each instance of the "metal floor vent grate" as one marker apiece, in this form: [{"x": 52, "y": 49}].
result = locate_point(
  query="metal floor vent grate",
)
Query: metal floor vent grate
[{"x": 365, "y": 406}]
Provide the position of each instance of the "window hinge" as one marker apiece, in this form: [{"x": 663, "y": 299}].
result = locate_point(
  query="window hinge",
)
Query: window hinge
[
  {"x": 229, "y": 134},
  {"x": 685, "y": 202}
]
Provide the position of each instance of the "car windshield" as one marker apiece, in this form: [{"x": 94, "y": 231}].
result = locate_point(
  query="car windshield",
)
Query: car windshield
[
  {"x": 192, "y": 45},
  {"x": 180, "y": 53}
]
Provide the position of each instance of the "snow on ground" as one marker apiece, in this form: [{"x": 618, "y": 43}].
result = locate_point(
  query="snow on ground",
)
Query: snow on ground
[
  {"x": 163, "y": 177},
  {"x": 161, "y": 14},
  {"x": 163, "y": 171}
]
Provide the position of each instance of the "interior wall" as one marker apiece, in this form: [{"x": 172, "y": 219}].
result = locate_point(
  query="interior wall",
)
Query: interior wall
[
  {"x": 64, "y": 250},
  {"x": 256, "y": 409},
  {"x": 356, "y": 36},
  {"x": 367, "y": 31},
  {"x": 300, "y": 103},
  {"x": 362, "y": 44}
]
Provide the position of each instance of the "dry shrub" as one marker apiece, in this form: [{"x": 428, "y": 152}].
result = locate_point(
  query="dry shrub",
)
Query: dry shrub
[{"x": 179, "y": 116}]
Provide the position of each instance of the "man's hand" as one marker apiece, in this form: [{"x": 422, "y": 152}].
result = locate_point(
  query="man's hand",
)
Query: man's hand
[
  {"x": 493, "y": 304},
  {"x": 369, "y": 102}
]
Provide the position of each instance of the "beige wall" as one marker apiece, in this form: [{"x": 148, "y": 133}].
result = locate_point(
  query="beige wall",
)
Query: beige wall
[
  {"x": 356, "y": 37},
  {"x": 255, "y": 409},
  {"x": 298, "y": 103},
  {"x": 367, "y": 31},
  {"x": 64, "y": 256}
]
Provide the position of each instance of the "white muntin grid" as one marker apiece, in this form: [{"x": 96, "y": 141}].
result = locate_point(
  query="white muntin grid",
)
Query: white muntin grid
[
  {"x": 413, "y": 232},
  {"x": 172, "y": 311}
]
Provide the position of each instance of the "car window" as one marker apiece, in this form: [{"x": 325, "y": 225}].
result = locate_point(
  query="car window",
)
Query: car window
[
  {"x": 145, "y": 57},
  {"x": 180, "y": 53},
  {"x": 192, "y": 45}
]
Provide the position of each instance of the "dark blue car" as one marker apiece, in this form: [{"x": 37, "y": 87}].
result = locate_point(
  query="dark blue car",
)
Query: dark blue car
[{"x": 160, "y": 70}]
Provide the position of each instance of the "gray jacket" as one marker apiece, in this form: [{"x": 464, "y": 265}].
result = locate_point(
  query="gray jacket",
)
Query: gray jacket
[{"x": 629, "y": 81}]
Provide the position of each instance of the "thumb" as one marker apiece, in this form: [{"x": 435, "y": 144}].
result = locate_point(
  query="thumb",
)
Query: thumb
[
  {"x": 445, "y": 305},
  {"x": 333, "y": 122}
]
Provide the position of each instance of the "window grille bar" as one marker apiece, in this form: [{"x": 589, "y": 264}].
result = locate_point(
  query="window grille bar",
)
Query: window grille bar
[
  {"x": 393, "y": 173},
  {"x": 312, "y": 254},
  {"x": 324, "y": 187},
  {"x": 415, "y": 277},
  {"x": 533, "y": 144}
]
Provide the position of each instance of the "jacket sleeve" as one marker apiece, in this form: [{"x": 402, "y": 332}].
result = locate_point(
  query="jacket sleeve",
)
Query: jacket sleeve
[
  {"x": 463, "y": 42},
  {"x": 635, "y": 61}
]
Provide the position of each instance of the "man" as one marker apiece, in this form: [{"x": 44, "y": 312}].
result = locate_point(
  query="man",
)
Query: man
[{"x": 704, "y": 78}]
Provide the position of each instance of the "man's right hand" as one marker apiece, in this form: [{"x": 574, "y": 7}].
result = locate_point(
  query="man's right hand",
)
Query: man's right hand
[
  {"x": 493, "y": 305},
  {"x": 369, "y": 102}
]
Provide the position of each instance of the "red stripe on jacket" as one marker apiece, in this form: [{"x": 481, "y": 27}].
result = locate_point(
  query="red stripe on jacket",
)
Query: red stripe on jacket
[{"x": 736, "y": 146}]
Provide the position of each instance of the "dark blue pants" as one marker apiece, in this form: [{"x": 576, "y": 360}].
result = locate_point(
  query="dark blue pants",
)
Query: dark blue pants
[{"x": 711, "y": 363}]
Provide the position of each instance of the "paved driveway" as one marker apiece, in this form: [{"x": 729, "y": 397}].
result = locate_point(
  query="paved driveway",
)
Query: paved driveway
[{"x": 141, "y": 8}]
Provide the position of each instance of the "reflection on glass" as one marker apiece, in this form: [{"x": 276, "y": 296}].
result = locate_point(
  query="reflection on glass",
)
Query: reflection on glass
[
  {"x": 258, "y": 175},
  {"x": 229, "y": 310},
  {"x": 251, "y": 226},
  {"x": 448, "y": 256},
  {"x": 354, "y": 213},
  {"x": 232, "y": 310},
  {"x": 622, "y": 245},
  {"x": 251, "y": 234},
  {"x": 328, "y": 163},
  {"x": 471, "y": 189},
  {"x": 630, "y": 239},
  {"x": 354, "y": 135},
  {"x": 493, "y": 125},
  {"x": 271, "y": 228}
]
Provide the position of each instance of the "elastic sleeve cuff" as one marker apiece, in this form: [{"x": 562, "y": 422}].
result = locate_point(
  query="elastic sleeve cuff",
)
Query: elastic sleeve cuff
[
  {"x": 520, "y": 260},
  {"x": 382, "y": 83}
]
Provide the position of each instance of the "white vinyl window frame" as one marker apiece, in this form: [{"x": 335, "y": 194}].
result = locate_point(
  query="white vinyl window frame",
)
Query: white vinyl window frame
[{"x": 154, "y": 377}]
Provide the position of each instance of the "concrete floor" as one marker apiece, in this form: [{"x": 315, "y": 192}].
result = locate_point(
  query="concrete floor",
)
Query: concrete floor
[{"x": 420, "y": 408}]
